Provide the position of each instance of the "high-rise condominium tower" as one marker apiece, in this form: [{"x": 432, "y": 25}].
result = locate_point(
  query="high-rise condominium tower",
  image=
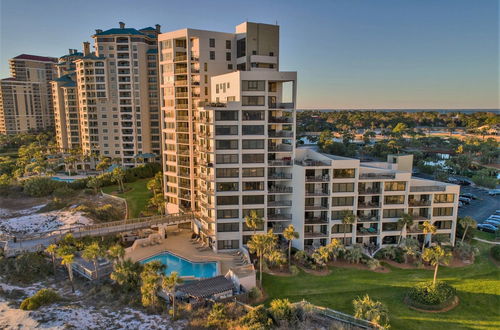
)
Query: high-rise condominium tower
[
  {"x": 116, "y": 92},
  {"x": 229, "y": 149},
  {"x": 25, "y": 98}
]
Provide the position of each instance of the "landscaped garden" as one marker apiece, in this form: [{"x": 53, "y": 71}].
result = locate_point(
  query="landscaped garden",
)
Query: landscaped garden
[
  {"x": 136, "y": 194},
  {"x": 477, "y": 285}
]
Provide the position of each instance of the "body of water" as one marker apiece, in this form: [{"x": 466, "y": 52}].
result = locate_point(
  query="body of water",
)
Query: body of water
[
  {"x": 55, "y": 178},
  {"x": 183, "y": 266}
]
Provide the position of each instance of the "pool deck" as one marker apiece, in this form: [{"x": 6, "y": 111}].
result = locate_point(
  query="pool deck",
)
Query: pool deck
[{"x": 178, "y": 242}]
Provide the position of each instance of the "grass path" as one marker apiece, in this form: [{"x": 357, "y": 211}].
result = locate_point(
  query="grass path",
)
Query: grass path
[
  {"x": 137, "y": 196},
  {"x": 478, "y": 287}
]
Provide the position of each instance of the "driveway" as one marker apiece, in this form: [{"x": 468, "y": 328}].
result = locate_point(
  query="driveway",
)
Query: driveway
[{"x": 482, "y": 207}]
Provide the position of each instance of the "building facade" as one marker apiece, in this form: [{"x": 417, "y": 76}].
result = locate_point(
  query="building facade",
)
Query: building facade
[
  {"x": 26, "y": 98},
  {"x": 115, "y": 88},
  {"x": 229, "y": 149}
]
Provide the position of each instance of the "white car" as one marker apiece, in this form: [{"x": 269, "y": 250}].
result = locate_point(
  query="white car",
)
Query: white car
[
  {"x": 494, "y": 217},
  {"x": 494, "y": 192}
]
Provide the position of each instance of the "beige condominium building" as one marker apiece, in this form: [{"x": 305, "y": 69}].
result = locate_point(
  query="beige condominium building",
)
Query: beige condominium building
[
  {"x": 25, "y": 98},
  {"x": 229, "y": 149},
  {"x": 115, "y": 89}
]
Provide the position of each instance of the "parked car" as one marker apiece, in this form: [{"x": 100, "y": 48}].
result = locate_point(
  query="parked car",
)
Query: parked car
[
  {"x": 469, "y": 195},
  {"x": 495, "y": 223},
  {"x": 460, "y": 204},
  {"x": 494, "y": 192},
  {"x": 494, "y": 217},
  {"x": 464, "y": 200},
  {"x": 497, "y": 212},
  {"x": 487, "y": 228}
]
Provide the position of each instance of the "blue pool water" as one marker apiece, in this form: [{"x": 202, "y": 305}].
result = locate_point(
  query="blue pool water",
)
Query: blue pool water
[
  {"x": 55, "y": 178},
  {"x": 184, "y": 267}
]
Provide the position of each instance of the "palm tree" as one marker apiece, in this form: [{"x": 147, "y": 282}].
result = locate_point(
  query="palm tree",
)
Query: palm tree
[
  {"x": 290, "y": 234},
  {"x": 157, "y": 202},
  {"x": 103, "y": 164},
  {"x": 374, "y": 311},
  {"x": 405, "y": 221},
  {"x": 321, "y": 255},
  {"x": 150, "y": 283},
  {"x": 436, "y": 255},
  {"x": 169, "y": 283},
  {"x": 52, "y": 250},
  {"x": 155, "y": 185},
  {"x": 67, "y": 254},
  {"x": 254, "y": 221},
  {"x": 95, "y": 183},
  {"x": 91, "y": 253},
  {"x": 261, "y": 245},
  {"x": 348, "y": 218},
  {"x": 116, "y": 252},
  {"x": 428, "y": 228},
  {"x": 334, "y": 248},
  {"x": 127, "y": 274},
  {"x": 466, "y": 222},
  {"x": 411, "y": 248},
  {"x": 118, "y": 175}
]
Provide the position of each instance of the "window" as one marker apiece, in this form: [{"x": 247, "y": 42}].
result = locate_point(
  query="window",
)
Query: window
[
  {"x": 226, "y": 129},
  {"x": 259, "y": 199},
  {"x": 228, "y": 200},
  {"x": 253, "y": 129},
  {"x": 443, "y": 224},
  {"x": 228, "y": 56},
  {"x": 229, "y": 66},
  {"x": 205, "y": 66},
  {"x": 227, "y": 214},
  {"x": 226, "y": 144},
  {"x": 343, "y": 187},
  {"x": 444, "y": 198},
  {"x": 394, "y": 199},
  {"x": 253, "y": 172},
  {"x": 227, "y": 173},
  {"x": 252, "y": 100},
  {"x": 252, "y": 144},
  {"x": 241, "y": 47},
  {"x": 228, "y": 227},
  {"x": 260, "y": 212},
  {"x": 223, "y": 115},
  {"x": 253, "y": 85},
  {"x": 228, "y": 44},
  {"x": 212, "y": 55},
  {"x": 342, "y": 201},
  {"x": 252, "y": 158},
  {"x": 341, "y": 229},
  {"x": 253, "y": 115},
  {"x": 253, "y": 186},
  {"x": 228, "y": 244},
  {"x": 339, "y": 215},
  {"x": 211, "y": 42},
  {"x": 393, "y": 213},
  {"x": 227, "y": 186},
  {"x": 442, "y": 211},
  {"x": 344, "y": 173},
  {"x": 227, "y": 159},
  {"x": 390, "y": 226},
  {"x": 395, "y": 186}
]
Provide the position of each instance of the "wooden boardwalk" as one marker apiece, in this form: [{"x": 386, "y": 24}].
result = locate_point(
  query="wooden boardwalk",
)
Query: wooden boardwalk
[{"x": 14, "y": 245}]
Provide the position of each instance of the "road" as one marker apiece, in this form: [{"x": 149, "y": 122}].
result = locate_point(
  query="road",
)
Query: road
[{"x": 482, "y": 207}]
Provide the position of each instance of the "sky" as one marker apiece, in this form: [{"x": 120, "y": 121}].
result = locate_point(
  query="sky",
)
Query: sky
[{"x": 349, "y": 54}]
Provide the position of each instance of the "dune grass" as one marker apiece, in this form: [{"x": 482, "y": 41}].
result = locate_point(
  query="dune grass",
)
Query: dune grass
[
  {"x": 136, "y": 195},
  {"x": 478, "y": 288}
]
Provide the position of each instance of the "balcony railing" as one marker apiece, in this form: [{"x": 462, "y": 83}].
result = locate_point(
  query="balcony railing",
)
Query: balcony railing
[
  {"x": 367, "y": 231},
  {"x": 279, "y": 217},
  {"x": 315, "y": 220},
  {"x": 180, "y": 83},
  {"x": 318, "y": 193},
  {"x": 280, "y": 147},
  {"x": 368, "y": 218},
  {"x": 280, "y": 176},
  {"x": 315, "y": 234},
  {"x": 369, "y": 191},
  {"x": 319, "y": 178},
  {"x": 311, "y": 162},
  {"x": 280, "y": 190},
  {"x": 281, "y": 162},
  {"x": 427, "y": 188},
  {"x": 368, "y": 205},
  {"x": 315, "y": 207},
  {"x": 281, "y": 105},
  {"x": 279, "y": 203},
  {"x": 180, "y": 58},
  {"x": 377, "y": 176},
  {"x": 279, "y": 120},
  {"x": 419, "y": 203},
  {"x": 281, "y": 134}
]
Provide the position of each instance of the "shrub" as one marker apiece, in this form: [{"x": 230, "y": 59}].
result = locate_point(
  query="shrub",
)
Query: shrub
[
  {"x": 257, "y": 318},
  {"x": 373, "y": 264},
  {"x": 63, "y": 192},
  {"x": 25, "y": 268},
  {"x": 42, "y": 297},
  {"x": 106, "y": 212},
  {"x": 428, "y": 294},
  {"x": 40, "y": 186},
  {"x": 495, "y": 252},
  {"x": 465, "y": 251},
  {"x": 54, "y": 204},
  {"x": 217, "y": 316},
  {"x": 283, "y": 312}
]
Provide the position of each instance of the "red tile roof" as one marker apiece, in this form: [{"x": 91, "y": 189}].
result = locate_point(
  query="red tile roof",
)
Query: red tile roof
[{"x": 35, "y": 58}]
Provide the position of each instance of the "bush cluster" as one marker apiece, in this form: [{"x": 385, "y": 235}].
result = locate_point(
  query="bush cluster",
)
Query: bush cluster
[
  {"x": 495, "y": 252},
  {"x": 429, "y": 294},
  {"x": 40, "y": 186},
  {"x": 42, "y": 297},
  {"x": 25, "y": 268},
  {"x": 106, "y": 212}
]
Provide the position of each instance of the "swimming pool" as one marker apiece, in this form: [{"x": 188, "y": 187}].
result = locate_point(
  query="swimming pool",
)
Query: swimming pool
[
  {"x": 183, "y": 266},
  {"x": 55, "y": 178}
]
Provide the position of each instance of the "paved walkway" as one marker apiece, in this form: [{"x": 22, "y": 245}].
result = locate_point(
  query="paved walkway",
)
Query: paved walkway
[
  {"x": 486, "y": 241},
  {"x": 178, "y": 242}
]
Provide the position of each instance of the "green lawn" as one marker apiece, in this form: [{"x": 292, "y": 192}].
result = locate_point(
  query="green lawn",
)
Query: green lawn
[
  {"x": 484, "y": 235},
  {"x": 478, "y": 288},
  {"x": 137, "y": 196}
]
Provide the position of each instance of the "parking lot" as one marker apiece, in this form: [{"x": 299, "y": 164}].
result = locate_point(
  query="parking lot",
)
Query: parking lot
[{"x": 482, "y": 207}]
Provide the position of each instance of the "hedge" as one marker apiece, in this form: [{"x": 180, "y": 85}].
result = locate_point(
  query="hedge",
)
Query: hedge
[{"x": 427, "y": 294}]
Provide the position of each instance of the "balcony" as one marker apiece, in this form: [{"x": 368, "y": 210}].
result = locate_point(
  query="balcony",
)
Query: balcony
[
  {"x": 318, "y": 193},
  {"x": 180, "y": 83},
  {"x": 180, "y": 58},
  {"x": 311, "y": 162},
  {"x": 280, "y": 176},
  {"x": 281, "y": 105},
  {"x": 206, "y": 177},
  {"x": 318, "y": 178},
  {"x": 280, "y": 147},
  {"x": 427, "y": 188},
  {"x": 368, "y": 205},
  {"x": 372, "y": 176},
  {"x": 369, "y": 191},
  {"x": 282, "y": 162},
  {"x": 279, "y": 203},
  {"x": 279, "y": 217},
  {"x": 315, "y": 234},
  {"x": 316, "y": 220},
  {"x": 281, "y": 120},
  {"x": 362, "y": 231},
  {"x": 417, "y": 203},
  {"x": 181, "y": 94},
  {"x": 368, "y": 218},
  {"x": 181, "y": 71},
  {"x": 280, "y": 134},
  {"x": 315, "y": 207},
  {"x": 280, "y": 190}
]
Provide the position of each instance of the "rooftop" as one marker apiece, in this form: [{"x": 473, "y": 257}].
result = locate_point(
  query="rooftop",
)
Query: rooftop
[
  {"x": 35, "y": 58},
  {"x": 207, "y": 287},
  {"x": 130, "y": 31}
]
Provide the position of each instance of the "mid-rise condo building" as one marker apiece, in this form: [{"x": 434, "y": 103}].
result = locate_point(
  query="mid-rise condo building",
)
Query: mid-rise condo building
[
  {"x": 229, "y": 149},
  {"x": 26, "y": 97}
]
